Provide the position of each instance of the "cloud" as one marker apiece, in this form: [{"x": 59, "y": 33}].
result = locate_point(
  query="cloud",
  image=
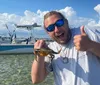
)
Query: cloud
[
  {"x": 30, "y": 17},
  {"x": 97, "y": 9},
  {"x": 74, "y": 20}
]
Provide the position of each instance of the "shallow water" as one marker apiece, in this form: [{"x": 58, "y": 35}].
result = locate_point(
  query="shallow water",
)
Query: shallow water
[{"x": 16, "y": 70}]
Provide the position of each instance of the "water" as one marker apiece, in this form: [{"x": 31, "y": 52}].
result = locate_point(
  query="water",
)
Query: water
[{"x": 16, "y": 70}]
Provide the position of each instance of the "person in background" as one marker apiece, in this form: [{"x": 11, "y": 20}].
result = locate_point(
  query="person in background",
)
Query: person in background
[{"x": 78, "y": 63}]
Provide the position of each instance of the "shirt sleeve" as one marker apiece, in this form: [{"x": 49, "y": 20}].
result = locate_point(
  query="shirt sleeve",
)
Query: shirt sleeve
[{"x": 93, "y": 34}]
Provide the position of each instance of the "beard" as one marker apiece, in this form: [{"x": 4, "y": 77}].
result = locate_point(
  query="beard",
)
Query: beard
[{"x": 63, "y": 38}]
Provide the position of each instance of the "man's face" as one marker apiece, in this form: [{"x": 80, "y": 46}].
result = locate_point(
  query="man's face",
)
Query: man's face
[{"x": 59, "y": 34}]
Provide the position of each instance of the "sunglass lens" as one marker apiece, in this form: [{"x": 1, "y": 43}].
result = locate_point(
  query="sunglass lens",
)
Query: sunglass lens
[
  {"x": 50, "y": 28},
  {"x": 60, "y": 23}
]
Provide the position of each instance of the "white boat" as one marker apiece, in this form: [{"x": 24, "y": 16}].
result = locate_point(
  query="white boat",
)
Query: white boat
[
  {"x": 13, "y": 39},
  {"x": 13, "y": 45}
]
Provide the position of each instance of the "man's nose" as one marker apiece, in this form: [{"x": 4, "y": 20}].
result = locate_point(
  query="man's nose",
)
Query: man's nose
[{"x": 56, "y": 29}]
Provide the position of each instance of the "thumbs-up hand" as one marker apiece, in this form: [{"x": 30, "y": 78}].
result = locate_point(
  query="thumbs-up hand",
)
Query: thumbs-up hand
[{"x": 82, "y": 41}]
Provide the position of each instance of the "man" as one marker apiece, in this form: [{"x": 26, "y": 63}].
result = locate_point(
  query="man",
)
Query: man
[{"x": 78, "y": 63}]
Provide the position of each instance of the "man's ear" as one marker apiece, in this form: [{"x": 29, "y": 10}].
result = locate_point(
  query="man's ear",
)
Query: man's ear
[
  {"x": 45, "y": 30},
  {"x": 66, "y": 21}
]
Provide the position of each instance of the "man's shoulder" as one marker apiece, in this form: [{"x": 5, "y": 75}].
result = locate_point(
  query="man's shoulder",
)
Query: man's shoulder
[
  {"x": 87, "y": 29},
  {"x": 93, "y": 29}
]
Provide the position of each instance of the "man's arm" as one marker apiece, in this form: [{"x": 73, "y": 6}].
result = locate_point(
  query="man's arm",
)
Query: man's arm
[{"x": 38, "y": 71}]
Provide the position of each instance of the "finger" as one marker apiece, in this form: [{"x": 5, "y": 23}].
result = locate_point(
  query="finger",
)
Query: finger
[
  {"x": 41, "y": 43},
  {"x": 77, "y": 40},
  {"x": 36, "y": 44},
  {"x": 77, "y": 36},
  {"x": 77, "y": 48},
  {"x": 82, "y": 30},
  {"x": 77, "y": 44}
]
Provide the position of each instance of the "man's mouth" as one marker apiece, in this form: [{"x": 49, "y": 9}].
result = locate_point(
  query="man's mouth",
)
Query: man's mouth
[{"x": 60, "y": 35}]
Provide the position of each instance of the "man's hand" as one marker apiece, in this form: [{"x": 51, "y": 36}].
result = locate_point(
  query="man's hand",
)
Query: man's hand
[
  {"x": 40, "y": 44},
  {"x": 82, "y": 41}
]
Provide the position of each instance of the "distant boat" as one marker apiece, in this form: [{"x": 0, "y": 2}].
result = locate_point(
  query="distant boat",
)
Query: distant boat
[
  {"x": 13, "y": 39},
  {"x": 28, "y": 27},
  {"x": 12, "y": 45},
  {"x": 31, "y": 39}
]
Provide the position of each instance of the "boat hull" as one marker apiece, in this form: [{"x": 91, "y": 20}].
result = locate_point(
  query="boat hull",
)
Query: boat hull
[{"x": 16, "y": 49}]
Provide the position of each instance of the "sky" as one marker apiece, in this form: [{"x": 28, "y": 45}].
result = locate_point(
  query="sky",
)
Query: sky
[{"x": 78, "y": 12}]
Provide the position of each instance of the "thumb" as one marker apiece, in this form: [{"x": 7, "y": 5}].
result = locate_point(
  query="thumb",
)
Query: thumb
[{"x": 82, "y": 30}]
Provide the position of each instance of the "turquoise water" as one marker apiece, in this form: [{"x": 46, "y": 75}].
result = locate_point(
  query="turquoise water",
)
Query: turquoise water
[{"x": 16, "y": 70}]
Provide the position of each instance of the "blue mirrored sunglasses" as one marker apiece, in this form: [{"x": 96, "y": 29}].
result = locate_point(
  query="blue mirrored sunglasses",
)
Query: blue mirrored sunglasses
[{"x": 58, "y": 23}]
